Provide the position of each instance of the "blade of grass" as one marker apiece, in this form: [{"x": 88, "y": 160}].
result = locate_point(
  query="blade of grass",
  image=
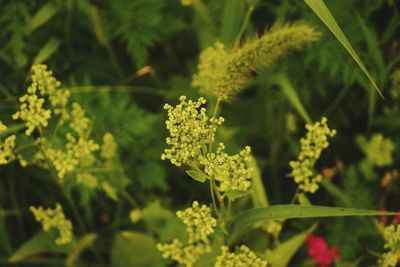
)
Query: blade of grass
[
  {"x": 43, "y": 15},
  {"x": 282, "y": 212},
  {"x": 47, "y": 51},
  {"x": 322, "y": 11},
  {"x": 283, "y": 81}
]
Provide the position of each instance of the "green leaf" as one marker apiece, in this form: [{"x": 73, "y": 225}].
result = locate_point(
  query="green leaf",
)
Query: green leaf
[
  {"x": 85, "y": 242},
  {"x": 281, "y": 255},
  {"x": 303, "y": 199},
  {"x": 322, "y": 11},
  {"x": 258, "y": 193},
  {"x": 231, "y": 21},
  {"x": 287, "y": 88},
  {"x": 235, "y": 194},
  {"x": 43, "y": 241},
  {"x": 43, "y": 15},
  {"x": 47, "y": 51},
  {"x": 135, "y": 250},
  {"x": 282, "y": 212},
  {"x": 197, "y": 175}
]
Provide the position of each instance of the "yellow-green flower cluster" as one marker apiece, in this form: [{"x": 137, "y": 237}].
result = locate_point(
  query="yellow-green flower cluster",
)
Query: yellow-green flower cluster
[
  {"x": 392, "y": 238},
  {"x": 109, "y": 147},
  {"x": 32, "y": 109},
  {"x": 7, "y": 146},
  {"x": 79, "y": 122},
  {"x": 223, "y": 73},
  {"x": 87, "y": 179},
  {"x": 231, "y": 172},
  {"x": 187, "y": 2},
  {"x": 54, "y": 218},
  {"x": 244, "y": 258},
  {"x": 379, "y": 150},
  {"x": 312, "y": 145},
  {"x": 199, "y": 226},
  {"x": 190, "y": 131},
  {"x": 77, "y": 151}
]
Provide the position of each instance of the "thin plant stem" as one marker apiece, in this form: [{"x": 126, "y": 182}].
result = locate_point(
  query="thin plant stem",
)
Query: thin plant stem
[{"x": 244, "y": 24}]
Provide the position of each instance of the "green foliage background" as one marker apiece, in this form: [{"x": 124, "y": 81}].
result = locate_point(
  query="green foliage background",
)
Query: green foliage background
[{"x": 96, "y": 47}]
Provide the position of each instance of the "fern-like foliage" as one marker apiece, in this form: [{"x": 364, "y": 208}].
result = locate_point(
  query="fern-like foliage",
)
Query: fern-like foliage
[{"x": 135, "y": 23}]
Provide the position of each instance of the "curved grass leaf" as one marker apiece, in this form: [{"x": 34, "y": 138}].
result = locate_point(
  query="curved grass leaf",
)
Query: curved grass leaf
[
  {"x": 322, "y": 11},
  {"x": 282, "y": 212},
  {"x": 47, "y": 51},
  {"x": 282, "y": 254},
  {"x": 287, "y": 88}
]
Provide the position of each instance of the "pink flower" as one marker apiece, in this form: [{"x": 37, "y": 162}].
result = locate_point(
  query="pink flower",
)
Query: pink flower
[
  {"x": 396, "y": 219},
  {"x": 319, "y": 251}
]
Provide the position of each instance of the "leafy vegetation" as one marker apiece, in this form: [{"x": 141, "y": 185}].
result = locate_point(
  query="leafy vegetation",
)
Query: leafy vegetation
[{"x": 199, "y": 133}]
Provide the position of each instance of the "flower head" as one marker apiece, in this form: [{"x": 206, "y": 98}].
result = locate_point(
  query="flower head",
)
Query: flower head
[
  {"x": 312, "y": 145},
  {"x": 379, "y": 150},
  {"x": 244, "y": 257},
  {"x": 109, "y": 147},
  {"x": 190, "y": 131},
  {"x": 199, "y": 226},
  {"x": 319, "y": 251},
  {"x": 225, "y": 72},
  {"x": 54, "y": 218},
  {"x": 231, "y": 172},
  {"x": 392, "y": 243}
]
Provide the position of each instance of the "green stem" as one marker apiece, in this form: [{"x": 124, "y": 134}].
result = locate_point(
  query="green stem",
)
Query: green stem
[
  {"x": 213, "y": 197},
  {"x": 131, "y": 201},
  {"x": 117, "y": 88},
  {"x": 244, "y": 25}
]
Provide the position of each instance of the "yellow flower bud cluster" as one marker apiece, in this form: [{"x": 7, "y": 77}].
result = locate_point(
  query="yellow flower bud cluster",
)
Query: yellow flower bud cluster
[
  {"x": 190, "y": 131},
  {"x": 312, "y": 145},
  {"x": 87, "y": 179},
  {"x": 32, "y": 109},
  {"x": 54, "y": 218},
  {"x": 392, "y": 239},
  {"x": 7, "y": 146},
  {"x": 231, "y": 172},
  {"x": 75, "y": 152},
  {"x": 244, "y": 258},
  {"x": 109, "y": 147},
  {"x": 199, "y": 226},
  {"x": 379, "y": 150},
  {"x": 79, "y": 122},
  {"x": 223, "y": 73}
]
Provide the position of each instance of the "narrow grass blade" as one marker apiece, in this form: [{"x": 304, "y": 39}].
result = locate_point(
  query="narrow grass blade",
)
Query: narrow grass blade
[
  {"x": 287, "y": 88},
  {"x": 322, "y": 11},
  {"x": 282, "y": 212},
  {"x": 43, "y": 15},
  {"x": 47, "y": 51},
  {"x": 283, "y": 253}
]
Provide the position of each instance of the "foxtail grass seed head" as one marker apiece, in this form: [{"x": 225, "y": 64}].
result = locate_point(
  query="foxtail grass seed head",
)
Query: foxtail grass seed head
[
  {"x": 312, "y": 145},
  {"x": 244, "y": 257},
  {"x": 223, "y": 72},
  {"x": 54, "y": 218},
  {"x": 190, "y": 131}
]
